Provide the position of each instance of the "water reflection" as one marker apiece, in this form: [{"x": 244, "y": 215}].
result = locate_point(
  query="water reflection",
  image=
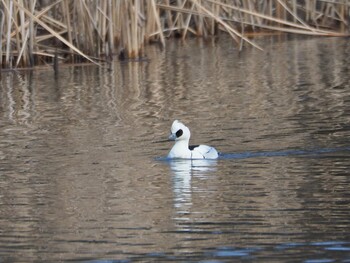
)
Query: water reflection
[
  {"x": 79, "y": 179},
  {"x": 183, "y": 172}
]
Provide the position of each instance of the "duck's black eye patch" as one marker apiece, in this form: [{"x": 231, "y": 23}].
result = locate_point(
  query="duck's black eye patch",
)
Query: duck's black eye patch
[{"x": 179, "y": 133}]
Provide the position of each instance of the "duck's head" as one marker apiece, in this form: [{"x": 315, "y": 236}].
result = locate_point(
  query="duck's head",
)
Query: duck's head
[{"x": 179, "y": 132}]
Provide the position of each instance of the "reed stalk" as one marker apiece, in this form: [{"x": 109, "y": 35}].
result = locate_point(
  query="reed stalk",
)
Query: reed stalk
[
  {"x": 2, "y": 20},
  {"x": 8, "y": 46},
  {"x": 35, "y": 32}
]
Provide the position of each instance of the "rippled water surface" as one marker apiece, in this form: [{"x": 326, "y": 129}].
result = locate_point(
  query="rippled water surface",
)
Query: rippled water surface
[{"x": 83, "y": 175}]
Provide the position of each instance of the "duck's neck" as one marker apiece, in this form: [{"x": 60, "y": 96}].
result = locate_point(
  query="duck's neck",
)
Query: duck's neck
[
  {"x": 181, "y": 150},
  {"x": 182, "y": 144}
]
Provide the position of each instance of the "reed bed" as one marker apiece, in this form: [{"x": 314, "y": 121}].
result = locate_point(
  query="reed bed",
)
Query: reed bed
[{"x": 40, "y": 32}]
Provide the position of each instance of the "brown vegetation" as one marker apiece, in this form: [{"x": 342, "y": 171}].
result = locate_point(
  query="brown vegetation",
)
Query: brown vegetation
[{"x": 38, "y": 31}]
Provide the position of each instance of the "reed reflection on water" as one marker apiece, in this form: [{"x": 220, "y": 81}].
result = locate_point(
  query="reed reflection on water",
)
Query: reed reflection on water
[{"x": 82, "y": 174}]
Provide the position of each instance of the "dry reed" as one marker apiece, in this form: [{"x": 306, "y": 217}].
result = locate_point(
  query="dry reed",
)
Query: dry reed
[{"x": 39, "y": 32}]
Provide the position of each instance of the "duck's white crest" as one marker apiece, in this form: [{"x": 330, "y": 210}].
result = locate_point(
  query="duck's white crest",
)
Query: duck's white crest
[{"x": 181, "y": 135}]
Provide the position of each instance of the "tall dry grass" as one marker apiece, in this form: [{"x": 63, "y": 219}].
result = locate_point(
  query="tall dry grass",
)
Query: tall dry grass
[{"x": 35, "y": 32}]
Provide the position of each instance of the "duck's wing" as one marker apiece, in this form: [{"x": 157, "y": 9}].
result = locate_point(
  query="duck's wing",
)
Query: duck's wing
[
  {"x": 191, "y": 147},
  {"x": 206, "y": 151}
]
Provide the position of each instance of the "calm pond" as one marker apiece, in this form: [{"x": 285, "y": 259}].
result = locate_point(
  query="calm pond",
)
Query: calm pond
[{"x": 83, "y": 175}]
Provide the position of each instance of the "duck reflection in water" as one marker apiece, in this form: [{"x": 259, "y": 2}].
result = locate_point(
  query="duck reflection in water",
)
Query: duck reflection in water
[{"x": 184, "y": 170}]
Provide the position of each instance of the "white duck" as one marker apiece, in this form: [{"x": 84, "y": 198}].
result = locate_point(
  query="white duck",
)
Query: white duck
[{"x": 181, "y": 149}]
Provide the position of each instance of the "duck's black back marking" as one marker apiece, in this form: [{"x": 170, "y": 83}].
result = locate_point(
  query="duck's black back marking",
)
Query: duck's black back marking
[
  {"x": 179, "y": 133},
  {"x": 191, "y": 147}
]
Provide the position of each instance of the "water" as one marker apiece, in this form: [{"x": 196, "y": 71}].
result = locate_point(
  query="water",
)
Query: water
[{"x": 83, "y": 175}]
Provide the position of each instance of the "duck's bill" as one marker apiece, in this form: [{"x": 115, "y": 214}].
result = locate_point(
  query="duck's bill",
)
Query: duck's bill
[{"x": 172, "y": 137}]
